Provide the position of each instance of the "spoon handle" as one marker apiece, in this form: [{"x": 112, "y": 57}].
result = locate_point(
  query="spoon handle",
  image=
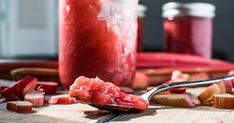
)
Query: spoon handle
[{"x": 148, "y": 95}]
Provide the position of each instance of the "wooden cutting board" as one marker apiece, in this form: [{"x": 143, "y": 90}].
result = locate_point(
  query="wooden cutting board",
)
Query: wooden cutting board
[
  {"x": 167, "y": 114},
  {"x": 75, "y": 113}
]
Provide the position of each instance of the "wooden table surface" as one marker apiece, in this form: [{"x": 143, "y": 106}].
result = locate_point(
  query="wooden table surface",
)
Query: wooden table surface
[{"x": 155, "y": 113}]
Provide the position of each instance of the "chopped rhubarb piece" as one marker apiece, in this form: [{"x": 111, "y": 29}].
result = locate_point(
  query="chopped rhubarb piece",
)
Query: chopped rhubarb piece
[
  {"x": 178, "y": 76},
  {"x": 209, "y": 120},
  {"x": 158, "y": 76},
  {"x": 98, "y": 92},
  {"x": 179, "y": 100},
  {"x": 43, "y": 74},
  {"x": 9, "y": 93},
  {"x": 225, "y": 86},
  {"x": 47, "y": 87},
  {"x": 160, "y": 60},
  {"x": 206, "y": 96},
  {"x": 141, "y": 81},
  {"x": 223, "y": 101},
  {"x": 25, "y": 85},
  {"x": 19, "y": 106},
  {"x": 20, "y": 88},
  {"x": 231, "y": 72},
  {"x": 3, "y": 87},
  {"x": 199, "y": 76},
  {"x": 7, "y": 66},
  {"x": 62, "y": 99},
  {"x": 37, "y": 98},
  {"x": 178, "y": 91}
]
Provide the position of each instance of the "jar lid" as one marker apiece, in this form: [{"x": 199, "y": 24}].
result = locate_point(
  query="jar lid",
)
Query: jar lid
[
  {"x": 141, "y": 9},
  {"x": 175, "y": 9}
]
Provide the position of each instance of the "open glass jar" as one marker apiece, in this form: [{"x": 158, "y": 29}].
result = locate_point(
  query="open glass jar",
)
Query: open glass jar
[
  {"x": 97, "y": 38},
  {"x": 141, "y": 13},
  {"x": 188, "y": 28}
]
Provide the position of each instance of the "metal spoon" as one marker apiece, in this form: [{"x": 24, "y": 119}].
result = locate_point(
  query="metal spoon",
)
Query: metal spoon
[{"x": 148, "y": 95}]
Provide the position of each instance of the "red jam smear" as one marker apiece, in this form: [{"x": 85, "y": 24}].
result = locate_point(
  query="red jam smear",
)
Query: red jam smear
[
  {"x": 188, "y": 35},
  {"x": 96, "y": 91},
  {"x": 140, "y": 31},
  {"x": 96, "y": 38}
]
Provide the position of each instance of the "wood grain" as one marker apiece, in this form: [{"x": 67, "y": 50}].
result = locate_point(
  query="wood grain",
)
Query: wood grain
[
  {"x": 50, "y": 114},
  {"x": 167, "y": 114},
  {"x": 155, "y": 114}
]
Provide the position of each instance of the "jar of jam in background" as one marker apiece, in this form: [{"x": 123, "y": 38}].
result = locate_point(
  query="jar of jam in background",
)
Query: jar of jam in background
[
  {"x": 141, "y": 13},
  {"x": 188, "y": 28},
  {"x": 97, "y": 38}
]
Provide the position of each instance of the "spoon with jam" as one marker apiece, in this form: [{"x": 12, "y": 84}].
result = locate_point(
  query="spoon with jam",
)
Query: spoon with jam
[{"x": 105, "y": 95}]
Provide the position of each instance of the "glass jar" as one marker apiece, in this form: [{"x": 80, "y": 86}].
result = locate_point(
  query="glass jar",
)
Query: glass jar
[
  {"x": 97, "y": 38},
  {"x": 141, "y": 10},
  {"x": 188, "y": 28}
]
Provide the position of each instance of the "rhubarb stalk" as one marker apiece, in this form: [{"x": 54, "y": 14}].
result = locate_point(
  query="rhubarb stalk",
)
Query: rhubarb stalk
[
  {"x": 19, "y": 106},
  {"x": 223, "y": 101},
  {"x": 160, "y": 60},
  {"x": 37, "y": 98},
  {"x": 179, "y": 100}
]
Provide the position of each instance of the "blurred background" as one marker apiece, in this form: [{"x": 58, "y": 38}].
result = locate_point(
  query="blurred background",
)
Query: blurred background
[{"x": 28, "y": 28}]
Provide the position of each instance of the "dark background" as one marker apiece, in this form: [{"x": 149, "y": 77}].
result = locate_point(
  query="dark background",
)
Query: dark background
[{"x": 223, "y": 37}]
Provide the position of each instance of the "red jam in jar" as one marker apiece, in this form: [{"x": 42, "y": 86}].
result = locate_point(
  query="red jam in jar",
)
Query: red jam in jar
[
  {"x": 188, "y": 28},
  {"x": 140, "y": 30},
  {"x": 97, "y": 38}
]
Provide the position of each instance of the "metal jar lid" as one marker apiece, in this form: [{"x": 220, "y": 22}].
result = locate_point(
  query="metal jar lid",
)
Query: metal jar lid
[
  {"x": 176, "y": 9},
  {"x": 141, "y": 10}
]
